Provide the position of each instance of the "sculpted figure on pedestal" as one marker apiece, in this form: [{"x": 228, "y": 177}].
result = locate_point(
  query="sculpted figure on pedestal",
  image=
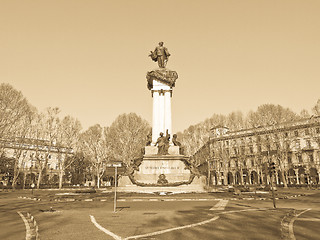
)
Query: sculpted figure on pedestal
[
  {"x": 162, "y": 179},
  {"x": 177, "y": 143},
  {"x": 149, "y": 139},
  {"x": 163, "y": 144},
  {"x": 160, "y": 55}
]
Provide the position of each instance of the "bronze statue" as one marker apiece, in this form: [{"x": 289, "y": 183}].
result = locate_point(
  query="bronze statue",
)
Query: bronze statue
[
  {"x": 162, "y": 179},
  {"x": 149, "y": 139},
  {"x": 163, "y": 144},
  {"x": 177, "y": 143},
  {"x": 160, "y": 55}
]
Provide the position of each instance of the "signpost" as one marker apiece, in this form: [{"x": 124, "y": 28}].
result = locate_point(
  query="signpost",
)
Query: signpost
[{"x": 115, "y": 165}]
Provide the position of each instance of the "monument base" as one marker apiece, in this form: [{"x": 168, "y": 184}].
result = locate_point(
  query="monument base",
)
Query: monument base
[
  {"x": 197, "y": 186},
  {"x": 163, "y": 173}
]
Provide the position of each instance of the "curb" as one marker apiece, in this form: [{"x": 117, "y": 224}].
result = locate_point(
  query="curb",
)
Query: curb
[{"x": 158, "y": 199}]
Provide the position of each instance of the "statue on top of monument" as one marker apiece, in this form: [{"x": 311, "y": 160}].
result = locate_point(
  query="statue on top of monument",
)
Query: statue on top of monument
[{"x": 160, "y": 55}]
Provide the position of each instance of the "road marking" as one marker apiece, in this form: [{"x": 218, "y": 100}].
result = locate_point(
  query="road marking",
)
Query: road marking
[
  {"x": 93, "y": 220},
  {"x": 291, "y": 233},
  {"x": 28, "y": 229},
  {"x": 308, "y": 219},
  {"x": 170, "y": 229},
  {"x": 220, "y": 205}
]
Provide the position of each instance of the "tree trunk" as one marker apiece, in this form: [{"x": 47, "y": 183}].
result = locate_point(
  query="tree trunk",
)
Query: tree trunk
[
  {"x": 285, "y": 184},
  {"x": 39, "y": 179},
  {"x": 24, "y": 179},
  {"x": 60, "y": 178},
  {"x": 98, "y": 180}
]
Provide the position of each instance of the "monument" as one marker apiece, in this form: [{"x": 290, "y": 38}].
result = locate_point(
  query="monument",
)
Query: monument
[{"x": 163, "y": 167}]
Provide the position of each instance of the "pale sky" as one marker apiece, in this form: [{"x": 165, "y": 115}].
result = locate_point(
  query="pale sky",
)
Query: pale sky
[{"x": 90, "y": 58}]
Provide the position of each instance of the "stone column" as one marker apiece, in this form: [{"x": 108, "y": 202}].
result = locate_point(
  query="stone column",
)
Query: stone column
[
  {"x": 155, "y": 117},
  {"x": 161, "y": 113},
  {"x": 167, "y": 113},
  {"x": 161, "y": 118}
]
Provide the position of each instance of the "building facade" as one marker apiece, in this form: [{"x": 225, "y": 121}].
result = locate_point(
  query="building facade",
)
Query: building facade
[
  {"x": 31, "y": 156},
  {"x": 243, "y": 157}
]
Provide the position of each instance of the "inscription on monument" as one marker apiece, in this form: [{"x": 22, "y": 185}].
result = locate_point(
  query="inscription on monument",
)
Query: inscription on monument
[{"x": 161, "y": 167}]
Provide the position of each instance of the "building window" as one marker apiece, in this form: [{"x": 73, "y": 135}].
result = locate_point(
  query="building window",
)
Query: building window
[
  {"x": 299, "y": 158},
  {"x": 296, "y": 133},
  {"x": 311, "y": 158},
  {"x": 221, "y": 164},
  {"x": 317, "y": 130},
  {"x": 252, "y": 162},
  {"x": 251, "y": 149},
  {"x": 259, "y": 148},
  {"x": 242, "y": 150},
  {"x": 235, "y": 150},
  {"x": 306, "y": 132},
  {"x": 289, "y": 159},
  {"x": 244, "y": 163},
  {"x": 308, "y": 143},
  {"x": 286, "y": 134}
]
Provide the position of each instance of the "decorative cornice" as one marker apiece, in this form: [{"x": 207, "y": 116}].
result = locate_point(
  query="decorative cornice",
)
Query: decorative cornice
[
  {"x": 162, "y": 75},
  {"x": 162, "y": 92}
]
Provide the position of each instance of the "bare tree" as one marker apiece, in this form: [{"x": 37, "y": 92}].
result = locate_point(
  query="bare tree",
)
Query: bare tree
[
  {"x": 93, "y": 145},
  {"x": 20, "y": 152},
  {"x": 270, "y": 114},
  {"x": 126, "y": 136},
  {"x": 316, "y": 108},
  {"x": 14, "y": 109},
  {"x": 45, "y": 131},
  {"x": 67, "y": 143}
]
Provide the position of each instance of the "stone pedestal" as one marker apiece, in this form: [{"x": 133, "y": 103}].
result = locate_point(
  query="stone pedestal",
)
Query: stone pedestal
[{"x": 172, "y": 173}]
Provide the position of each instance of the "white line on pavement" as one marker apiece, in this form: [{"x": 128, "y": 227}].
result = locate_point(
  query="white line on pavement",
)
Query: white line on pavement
[
  {"x": 93, "y": 220},
  {"x": 291, "y": 233},
  {"x": 28, "y": 230},
  {"x": 220, "y": 205},
  {"x": 172, "y": 229},
  {"x": 309, "y": 219}
]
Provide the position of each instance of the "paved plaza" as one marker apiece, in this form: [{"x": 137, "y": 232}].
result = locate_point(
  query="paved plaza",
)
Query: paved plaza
[{"x": 180, "y": 216}]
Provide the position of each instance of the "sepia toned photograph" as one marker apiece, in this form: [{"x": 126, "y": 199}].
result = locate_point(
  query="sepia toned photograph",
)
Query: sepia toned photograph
[{"x": 159, "y": 120}]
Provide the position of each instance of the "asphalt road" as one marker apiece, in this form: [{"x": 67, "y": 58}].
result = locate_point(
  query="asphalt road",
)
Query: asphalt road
[{"x": 157, "y": 219}]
